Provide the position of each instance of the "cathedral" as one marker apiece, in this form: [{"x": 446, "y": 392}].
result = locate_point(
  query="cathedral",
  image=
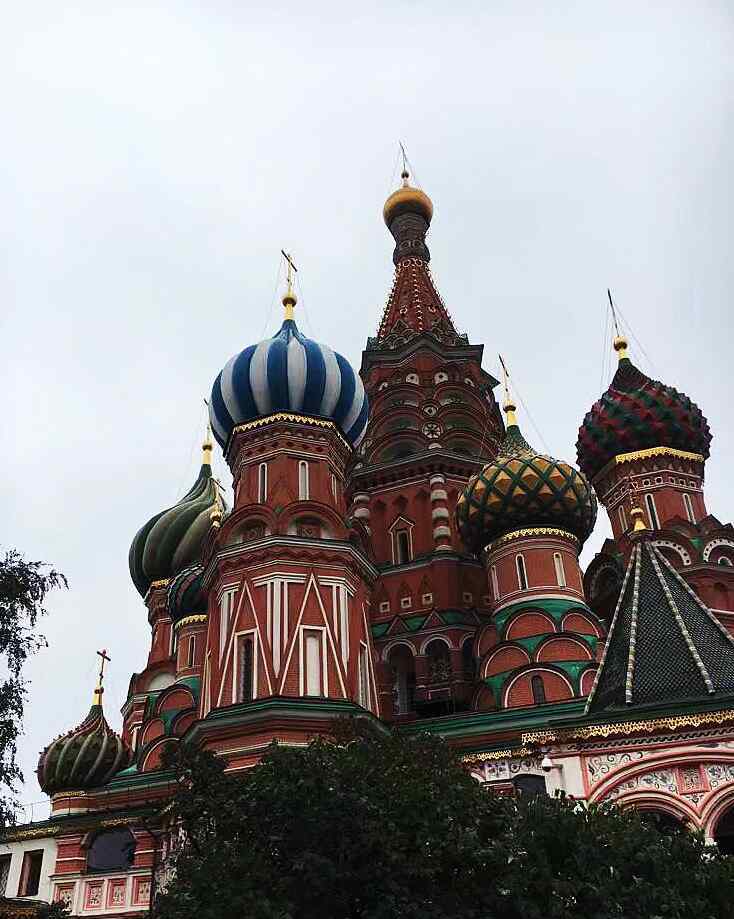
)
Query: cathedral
[{"x": 398, "y": 552}]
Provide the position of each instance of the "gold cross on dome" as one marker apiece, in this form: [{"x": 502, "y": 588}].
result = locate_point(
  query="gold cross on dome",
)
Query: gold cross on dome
[{"x": 104, "y": 658}]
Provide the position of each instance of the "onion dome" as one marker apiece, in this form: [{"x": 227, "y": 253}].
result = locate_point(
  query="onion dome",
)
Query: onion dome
[
  {"x": 407, "y": 200},
  {"x": 86, "y": 757},
  {"x": 288, "y": 373},
  {"x": 523, "y": 488},
  {"x": 637, "y": 413},
  {"x": 186, "y": 595},
  {"x": 174, "y": 538},
  {"x": 408, "y": 213}
]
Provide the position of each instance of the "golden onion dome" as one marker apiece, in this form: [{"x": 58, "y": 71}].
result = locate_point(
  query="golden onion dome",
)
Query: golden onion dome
[{"x": 407, "y": 200}]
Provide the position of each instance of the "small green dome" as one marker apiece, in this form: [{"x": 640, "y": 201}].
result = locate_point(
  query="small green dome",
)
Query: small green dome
[
  {"x": 524, "y": 488},
  {"x": 174, "y": 538},
  {"x": 186, "y": 595},
  {"x": 86, "y": 757}
]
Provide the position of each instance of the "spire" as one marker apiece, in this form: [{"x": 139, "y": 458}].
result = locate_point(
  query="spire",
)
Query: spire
[
  {"x": 289, "y": 297},
  {"x": 664, "y": 643},
  {"x": 620, "y": 342},
  {"x": 99, "y": 689},
  {"x": 414, "y": 306}
]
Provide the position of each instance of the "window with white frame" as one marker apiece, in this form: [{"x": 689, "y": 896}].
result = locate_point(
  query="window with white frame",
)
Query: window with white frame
[
  {"x": 246, "y": 690},
  {"x": 191, "y": 651},
  {"x": 262, "y": 483},
  {"x": 688, "y": 504},
  {"x": 652, "y": 512},
  {"x": 522, "y": 577},
  {"x": 621, "y": 514},
  {"x": 303, "y": 480},
  {"x": 495, "y": 582},
  {"x": 560, "y": 572},
  {"x": 226, "y": 607},
  {"x": 364, "y": 681},
  {"x": 313, "y": 663}
]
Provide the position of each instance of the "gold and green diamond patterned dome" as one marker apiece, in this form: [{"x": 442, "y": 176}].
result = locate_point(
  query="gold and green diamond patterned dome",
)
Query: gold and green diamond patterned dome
[{"x": 523, "y": 488}]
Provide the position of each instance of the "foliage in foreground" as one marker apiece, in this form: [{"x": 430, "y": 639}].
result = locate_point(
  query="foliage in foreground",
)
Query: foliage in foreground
[
  {"x": 388, "y": 827},
  {"x": 23, "y": 589}
]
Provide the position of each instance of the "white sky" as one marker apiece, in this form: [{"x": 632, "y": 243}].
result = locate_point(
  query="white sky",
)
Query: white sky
[{"x": 157, "y": 156}]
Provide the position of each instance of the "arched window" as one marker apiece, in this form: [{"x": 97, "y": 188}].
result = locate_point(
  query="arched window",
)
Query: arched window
[
  {"x": 467, "y": 657},
  {"x": 652, "y": 512},
  {"x": 522, "y": 577},
  {"x": 111, "y": 850},
  {"x": 439, "y": 662},
  {"x": 622, "y": 517},
  {"x": 262, "y": 483},
  {"x": 723, "y": 560},
  {"x": 192, "y": 651},
  {"x": 246, "y": 660},
  {"x": 402, "y": 664},
  {"x": 303, "y": 481},
  {"x": 495, "y": 582},
  {"x": 724, "y": 832},
  {"x": 538, "y": 689},
  {"x": 688, "y": 504},
  {"x": 560, "y": 573},
  {"x": 333, "y": 487},
  {"x": 402, "y": 545}
]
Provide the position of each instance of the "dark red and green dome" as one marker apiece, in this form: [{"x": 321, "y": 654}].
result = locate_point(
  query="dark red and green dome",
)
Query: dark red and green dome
[
  {"x": 523, "y": 488},
  {"x": 637, "y": 413}
]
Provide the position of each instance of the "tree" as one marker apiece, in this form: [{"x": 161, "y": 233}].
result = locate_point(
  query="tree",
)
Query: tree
[
  {"x": 388, "y": 826},
  {"x": 23, "y": 589}
]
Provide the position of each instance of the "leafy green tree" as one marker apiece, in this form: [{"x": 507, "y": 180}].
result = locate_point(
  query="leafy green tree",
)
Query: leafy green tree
[
  {"x": 385, "y": 826},
  {"x": 23, "y": 589}
]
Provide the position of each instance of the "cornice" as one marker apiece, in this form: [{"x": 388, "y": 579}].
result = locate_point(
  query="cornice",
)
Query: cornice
[
  {"x": 650, "y": 452},
  {"x": 291, "y": 418},
  {"x": 533, "y": 531},
  {"x": 189, "y": 620}
]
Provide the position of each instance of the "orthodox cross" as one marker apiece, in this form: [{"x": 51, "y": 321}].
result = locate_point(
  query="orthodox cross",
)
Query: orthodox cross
[
  {"x": 505, "y": 379},
  {"x": 614, "y": 312},
  {"x": 104, "y": 658},
  {"x": 290, "y": 269}
]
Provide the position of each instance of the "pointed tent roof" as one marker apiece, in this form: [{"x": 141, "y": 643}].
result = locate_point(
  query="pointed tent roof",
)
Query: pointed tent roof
[{"x": 664, "y": 643}]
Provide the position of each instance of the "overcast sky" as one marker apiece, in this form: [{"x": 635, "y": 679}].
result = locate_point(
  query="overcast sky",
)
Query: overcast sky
[{"x": 156, "y": 157}]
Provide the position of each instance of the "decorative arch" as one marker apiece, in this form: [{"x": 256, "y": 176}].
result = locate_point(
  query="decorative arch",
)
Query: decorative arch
[
  {"x": 715, "y": 544},
  {"x": 152, "y": 757},
  {"x": 506, "y": 657},
  {"x": 651, "y": 800},
  {"x": 394, "y": 644},
  {"x": 577, "y": 622},
  {"x": 528, "y": 623},
  {"x": 431, "y": 638},
  {"x": 559, "y": 679},
  {"x": 682, "y": 553},
  {"x": 562, "y": 647},
  {"x": 586, "y": 680}
]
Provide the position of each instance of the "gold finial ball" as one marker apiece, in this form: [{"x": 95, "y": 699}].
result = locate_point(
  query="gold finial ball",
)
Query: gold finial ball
[
  {"x": 620, "y": 343},
  {"x": 289, "y": 298},
  {"x": 407, "y": 200}
]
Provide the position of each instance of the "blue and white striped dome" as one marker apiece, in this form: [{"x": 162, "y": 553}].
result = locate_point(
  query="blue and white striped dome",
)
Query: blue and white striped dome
[{"x": 288, "y": 373}]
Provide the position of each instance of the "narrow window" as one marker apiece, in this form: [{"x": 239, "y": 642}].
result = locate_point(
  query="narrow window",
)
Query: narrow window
[
  {"x": 4, "y": 872},
  {"x": 560, "y": 573},
  {"x": 538, "y": 688},
  {"x": 226, "y": 605},
  {"x": 495, "y": 583},
  {"x": 262, "y": 483},
  {"x": 652, "y": 512},
  {"x": 30, "y": 875},
  {"x": 333, "y": 487},
  {"x": 522, "y": 578},
  {"x": 364, "y": 685},
  {"x": 689, "y": 508},
  {"x": 303, "y": 481},
  {"x": 312, "y": 655},
  {"x": 622, "y": 518},
  {"x": 247, "y": 670},
  {"x": 192, "y": 651},
  {"x": 403, "y": 547}
]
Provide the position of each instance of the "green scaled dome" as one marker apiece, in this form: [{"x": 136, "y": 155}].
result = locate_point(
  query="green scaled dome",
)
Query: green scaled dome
[
  {"x": 523, "y": 488},
  {"x": 86, "y": 757},
  {"x": 637, "y": 413},
  {"x": 174, "y": 538}
]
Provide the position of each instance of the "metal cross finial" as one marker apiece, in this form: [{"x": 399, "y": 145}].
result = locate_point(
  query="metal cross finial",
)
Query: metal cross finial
[
  {"x": 614, "y": 312},
  {"x": 104, "y": 658},
  {"x": 290, "y": 269},
  {"x": 509, "y": 405}
]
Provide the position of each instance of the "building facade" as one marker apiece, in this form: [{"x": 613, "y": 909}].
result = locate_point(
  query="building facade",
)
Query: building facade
[{"x": 398, "y": 552}]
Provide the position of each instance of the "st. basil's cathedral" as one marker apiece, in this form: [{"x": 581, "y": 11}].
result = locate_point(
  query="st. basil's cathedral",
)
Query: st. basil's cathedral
[{"x": 398, "y": 552}]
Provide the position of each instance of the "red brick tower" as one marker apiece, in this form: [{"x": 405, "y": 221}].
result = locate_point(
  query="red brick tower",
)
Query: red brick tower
[{"x": 433, "y": 419}]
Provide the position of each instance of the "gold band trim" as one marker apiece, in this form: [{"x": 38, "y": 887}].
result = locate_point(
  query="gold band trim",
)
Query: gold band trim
[
  {"x": 497, "y": 754},
  {"x": 291, "y": 416},
  {"x": 646, "y": 454},
  {"x": 190, "y": 620},
  {"x": 630, "y": 727},
  {"x": 162, "y": 583},
  {"x": 532, "y": 531}
]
